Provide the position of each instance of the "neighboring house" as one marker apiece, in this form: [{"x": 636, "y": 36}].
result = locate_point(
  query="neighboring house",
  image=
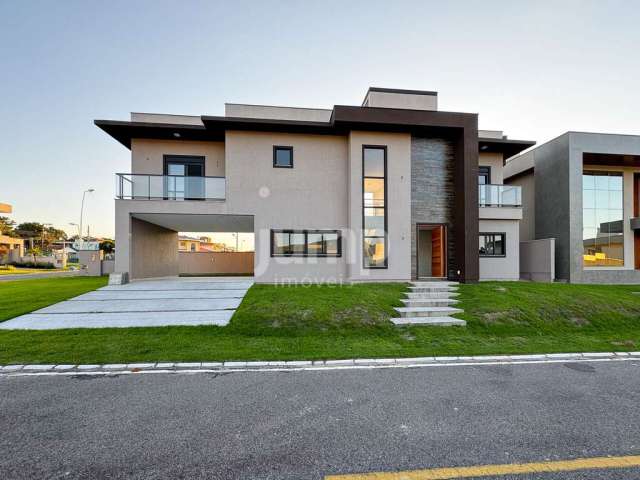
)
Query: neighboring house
[
  {"x": 583, "y": 189},
  {"x": 384, "y": 191},
  {"x": 188, "y": 244},
  {"x": 11, "y": 249},
  {"x": 5, "y": 208}
]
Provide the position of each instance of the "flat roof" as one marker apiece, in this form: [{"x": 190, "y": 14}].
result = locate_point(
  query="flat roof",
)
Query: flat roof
[{"x": 344, "y": 118}]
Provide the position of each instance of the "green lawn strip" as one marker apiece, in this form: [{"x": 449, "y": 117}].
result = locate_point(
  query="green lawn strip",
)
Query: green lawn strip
[
  {"x": 323, "y": 322},
  {"x": 24, "y": 296}
]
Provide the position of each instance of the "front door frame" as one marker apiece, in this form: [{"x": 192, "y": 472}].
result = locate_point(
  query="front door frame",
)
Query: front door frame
[{"x": 421, "y": 226}]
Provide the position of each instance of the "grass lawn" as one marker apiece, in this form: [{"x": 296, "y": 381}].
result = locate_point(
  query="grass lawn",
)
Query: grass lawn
[{"x": 318, "y": 322}]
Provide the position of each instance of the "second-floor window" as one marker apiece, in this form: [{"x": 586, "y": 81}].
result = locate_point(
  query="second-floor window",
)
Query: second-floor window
[
  {"x": 282, "y": 157},
  {"x": 484, "y": 175},
  {"x": 183, "y": 177}
]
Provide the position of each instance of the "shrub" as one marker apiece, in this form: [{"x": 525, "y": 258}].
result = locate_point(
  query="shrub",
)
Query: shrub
[{"x": 44, "y": 265}]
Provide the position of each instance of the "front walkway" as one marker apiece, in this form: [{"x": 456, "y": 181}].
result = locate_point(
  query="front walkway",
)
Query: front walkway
[{"x": 143, "y": 303}]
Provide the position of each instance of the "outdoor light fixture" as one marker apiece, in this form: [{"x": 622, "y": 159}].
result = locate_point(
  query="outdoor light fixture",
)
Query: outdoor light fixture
[{"x": 176, "y": 134}]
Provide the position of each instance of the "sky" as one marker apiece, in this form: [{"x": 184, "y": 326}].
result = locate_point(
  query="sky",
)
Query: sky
[{"x": 534, "y": 69}]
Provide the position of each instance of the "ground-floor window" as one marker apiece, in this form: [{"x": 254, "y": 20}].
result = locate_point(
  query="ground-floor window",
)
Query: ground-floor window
[
  {"x": 492, "y": 245},
  {"x": 602, "y": 219},
  {"x": 306, "y": 243}
]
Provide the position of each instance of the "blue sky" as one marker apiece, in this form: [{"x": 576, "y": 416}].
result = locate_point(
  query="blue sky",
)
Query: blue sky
[{"x": 534, "y": 69}]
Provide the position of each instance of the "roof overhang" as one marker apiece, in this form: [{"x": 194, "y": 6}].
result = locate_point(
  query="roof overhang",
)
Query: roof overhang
[
  {"x": 611, "y": 159},
  {"x": 507, "y": 147},
  {"x": 124, "y": 131},
  {"x": 206, "y": 223},
  {"x": 5, "y": 208}
]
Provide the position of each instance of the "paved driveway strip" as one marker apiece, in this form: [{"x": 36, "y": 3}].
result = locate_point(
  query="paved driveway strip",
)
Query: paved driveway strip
[{"x": 149, "y": 303}]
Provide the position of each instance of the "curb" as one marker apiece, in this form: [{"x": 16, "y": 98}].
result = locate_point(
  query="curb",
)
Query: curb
[{"x": 237, "y": 366}]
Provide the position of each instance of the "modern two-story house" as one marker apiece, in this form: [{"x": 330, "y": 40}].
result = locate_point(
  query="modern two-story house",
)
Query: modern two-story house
[
  {"x": 391, "y": 190},
  {"x": 583, "y": 190}
]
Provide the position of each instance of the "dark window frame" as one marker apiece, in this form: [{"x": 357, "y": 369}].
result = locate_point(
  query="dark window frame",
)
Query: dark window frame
[
  {"x": 484, "y": 171},
  {"x": 282, "y": 147},
  {"x": 306, "y": 243},
  {"x": 385, "y": 207},
  {"x": 504, "y": 244},
  {"x": 184, "y": 160}
]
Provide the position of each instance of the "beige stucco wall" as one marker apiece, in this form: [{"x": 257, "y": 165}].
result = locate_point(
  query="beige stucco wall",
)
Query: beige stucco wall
[
  {"x": 154, "y": 250},
  {"x": 502, "y": 268},
  {"x": 493, "y": 160},
  {"x": 401, "y": 100},
  {"x": 312, "y": 195},
  {"x": 398, "y": 205},
  {"x": 218, "y": 263},
  {"x": 147, "y": 155}
]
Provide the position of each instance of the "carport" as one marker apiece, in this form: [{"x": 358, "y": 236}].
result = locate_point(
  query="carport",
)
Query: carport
[{"x": 154, "y": 245}]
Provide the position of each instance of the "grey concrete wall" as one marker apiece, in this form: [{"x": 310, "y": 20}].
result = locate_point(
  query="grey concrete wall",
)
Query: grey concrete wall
[
  {"x": 507, "y": 267},
  {"x": 581, "y": 143},
  {"x": 553, "y": 200},
  {"x": 493, "y": 160},
  {"x": 537, "y": 260},
  {"x": 92, "y": 261},
  {"x": 147, "y": 155},
  {"x": 432, "y": 191},
  {"x": 215, "y": 263},
  {"x": 154, "y": 250}
]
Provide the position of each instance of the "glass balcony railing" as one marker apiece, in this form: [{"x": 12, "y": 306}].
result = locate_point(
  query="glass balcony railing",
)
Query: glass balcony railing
[
  {"x": 499, "y": 196},
  {"x": 133, "y": 186}
]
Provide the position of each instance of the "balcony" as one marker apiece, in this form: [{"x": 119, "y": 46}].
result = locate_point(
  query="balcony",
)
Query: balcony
[
  {"x": 132, "y": 186},
  {"x": 499, "y": 196}
]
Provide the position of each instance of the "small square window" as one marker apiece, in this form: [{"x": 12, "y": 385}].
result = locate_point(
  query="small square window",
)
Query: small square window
[{"x": 282, "y": 157}]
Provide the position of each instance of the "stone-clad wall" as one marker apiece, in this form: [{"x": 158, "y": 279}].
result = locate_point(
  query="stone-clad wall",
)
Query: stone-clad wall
[{"x": 432, "y": 191}]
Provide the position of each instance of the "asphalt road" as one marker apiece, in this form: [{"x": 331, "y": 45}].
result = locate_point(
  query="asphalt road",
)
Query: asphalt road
[{"x": 305, "y": 425}]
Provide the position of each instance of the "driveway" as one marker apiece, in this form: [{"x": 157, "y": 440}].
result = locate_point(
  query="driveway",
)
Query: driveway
[
  {"x": 144, "y": 303},
  {"x": 307, "y": 425}
]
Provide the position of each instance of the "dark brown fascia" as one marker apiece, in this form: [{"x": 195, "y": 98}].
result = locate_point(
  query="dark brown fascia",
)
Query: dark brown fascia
[
  {"x": 611, "y": 159},
  {"x": 507, "y": 147},
  {"x": 124, "y": 131}
]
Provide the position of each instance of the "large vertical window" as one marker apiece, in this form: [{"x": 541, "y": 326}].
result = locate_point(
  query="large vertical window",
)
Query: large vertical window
[
  {"x": 602, "y": 220},
  {"x": 374, "y": 206}
]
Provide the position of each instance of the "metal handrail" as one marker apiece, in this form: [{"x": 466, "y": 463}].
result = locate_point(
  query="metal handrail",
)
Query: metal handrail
[{"x": 140, "y": 187}]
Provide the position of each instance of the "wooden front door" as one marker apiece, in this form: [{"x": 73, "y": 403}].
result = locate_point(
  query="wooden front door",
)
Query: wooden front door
[{"x": 437, "y": 252}]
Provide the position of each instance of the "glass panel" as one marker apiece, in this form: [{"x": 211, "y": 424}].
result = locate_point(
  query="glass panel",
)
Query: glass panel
[
  {"x": 374, "y": 222},
  {"x": 297, "y": 243},
  {"x": 280, "y": 243},
  {"x": 602, "y": 234},
  {"x": 331, "y": 243},
  {"x": 284, "y": 157},
  {"x": 374, "y": 252},
  {"x": 315, "y": 244},
  {"x": 175, "y": 169},
  {"x": 373, "y": 162},
  {"x": 498, "y": 245},
  {"x": 374, "y": 192}
]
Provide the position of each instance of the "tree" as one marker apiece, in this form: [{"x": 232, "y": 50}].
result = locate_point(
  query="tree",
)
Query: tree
[
  {"x": 41, "y": 234},
  {"x": 6, "y": 226},
  {"x": 107, "y": 245}
]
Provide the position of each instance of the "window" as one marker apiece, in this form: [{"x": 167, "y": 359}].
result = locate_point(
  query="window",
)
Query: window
[
  {"x": 492, "y": 245},
  {"x": 282, "y": 157},
  {"x": 602, "y": 219},
  {"x": 306, "y": 243},
  {"x": 183, "y": 177},
  {"x": 484, "y": 175},
  {"x": 374, "y": 206}
]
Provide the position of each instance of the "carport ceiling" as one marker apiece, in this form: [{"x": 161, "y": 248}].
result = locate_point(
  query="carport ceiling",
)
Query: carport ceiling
[{"x": 181, "y": 222}]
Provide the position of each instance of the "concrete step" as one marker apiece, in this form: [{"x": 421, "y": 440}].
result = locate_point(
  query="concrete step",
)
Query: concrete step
[
  {"x": 433, "y": 288},
  {"x": 445, "y": 294},
  {"x": 428, "y": 302},
  {"x": 427, "y": 311},
  {"x": 427, "y": 321},
  {"x": 443, "y": 283}
]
